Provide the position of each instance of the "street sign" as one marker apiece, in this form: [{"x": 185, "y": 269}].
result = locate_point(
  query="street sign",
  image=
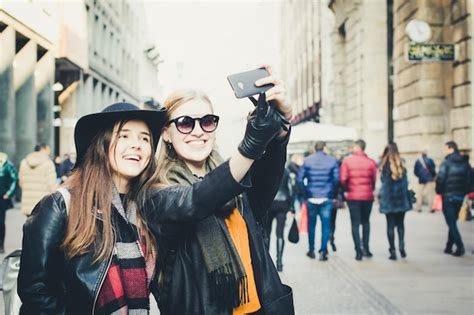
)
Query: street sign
[{"x": 431, "y": 52}]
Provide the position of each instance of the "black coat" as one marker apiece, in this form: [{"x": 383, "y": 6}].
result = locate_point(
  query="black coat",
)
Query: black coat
[
  {"x": 393, "y": 195},
  {"x": 454, "y": 177},
  {"x": 183, "y": 286},
  {"x": 48, "y": 282}
]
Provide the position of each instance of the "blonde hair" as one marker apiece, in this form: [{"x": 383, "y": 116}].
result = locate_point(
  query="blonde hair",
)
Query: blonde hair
[
  {"x": 166, "y": 155},
  {"x": 392, "y": 157}
]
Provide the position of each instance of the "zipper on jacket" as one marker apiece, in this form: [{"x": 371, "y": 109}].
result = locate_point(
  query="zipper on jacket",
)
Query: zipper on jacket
[{"x": 103, "y": 276}]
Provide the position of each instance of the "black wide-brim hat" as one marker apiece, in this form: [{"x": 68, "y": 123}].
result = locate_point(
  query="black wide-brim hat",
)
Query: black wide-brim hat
[{"x": 89, "y": 126}]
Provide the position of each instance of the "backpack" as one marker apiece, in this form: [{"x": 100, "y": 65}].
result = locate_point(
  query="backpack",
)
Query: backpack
[{"x": 10, "y": 268}]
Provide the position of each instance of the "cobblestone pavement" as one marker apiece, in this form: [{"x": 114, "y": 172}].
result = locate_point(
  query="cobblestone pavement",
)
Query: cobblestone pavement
[{"x": 427, "y": 282}]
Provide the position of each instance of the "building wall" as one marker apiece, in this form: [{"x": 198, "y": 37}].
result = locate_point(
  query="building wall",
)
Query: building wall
[
  {"x": 27, "y": 35},
  {"x": 105, "y": 49},
  {"x": 433, "y": 100},
  {"x": 300, "y": 53},
  {"x": 360, "y": 78}
]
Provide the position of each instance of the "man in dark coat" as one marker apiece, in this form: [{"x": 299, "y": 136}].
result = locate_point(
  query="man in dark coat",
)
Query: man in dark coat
[
  {"x": 453, "y": 184},
  {"x": 425, "y": 170}
]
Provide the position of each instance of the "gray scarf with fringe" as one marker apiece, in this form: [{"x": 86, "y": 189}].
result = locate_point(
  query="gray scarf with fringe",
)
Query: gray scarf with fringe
[{"x": 224, "y": 267}]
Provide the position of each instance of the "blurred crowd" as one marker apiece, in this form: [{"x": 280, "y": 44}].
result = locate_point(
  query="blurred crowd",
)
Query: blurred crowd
[{"x": 318, "y": 184}]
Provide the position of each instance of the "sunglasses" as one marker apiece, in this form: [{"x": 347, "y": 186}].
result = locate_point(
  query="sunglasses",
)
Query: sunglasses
[{"x": 186, "y": 124}]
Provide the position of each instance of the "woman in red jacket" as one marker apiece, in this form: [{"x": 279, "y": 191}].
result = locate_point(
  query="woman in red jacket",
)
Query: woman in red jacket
[{"x": 358, "y": 176}]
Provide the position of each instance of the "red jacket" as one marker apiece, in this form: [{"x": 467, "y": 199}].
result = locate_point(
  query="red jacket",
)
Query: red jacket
[{"x": 358, "y": 175}]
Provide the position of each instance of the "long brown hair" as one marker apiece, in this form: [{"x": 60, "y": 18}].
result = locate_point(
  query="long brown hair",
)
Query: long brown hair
[
  {"x": 166, "y": 154},
  {"x": 392, "y": 157},
  {"x": 89, "y": 225}
]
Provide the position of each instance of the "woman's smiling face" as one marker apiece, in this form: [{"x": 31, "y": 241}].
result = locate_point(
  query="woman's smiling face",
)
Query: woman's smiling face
[
  {"x": 129, "y": 151},
  {"x": 196, "y": 146}
]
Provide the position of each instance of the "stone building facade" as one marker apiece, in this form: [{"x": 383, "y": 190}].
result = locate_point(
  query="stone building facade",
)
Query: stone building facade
[
  {"x": 60, "y": 60},
  {"x": 432, "y": 101},
  {"x": 27, "y": 36},
  {"x": 420, "y": 105},
  {"x": 301, "y": 56}
]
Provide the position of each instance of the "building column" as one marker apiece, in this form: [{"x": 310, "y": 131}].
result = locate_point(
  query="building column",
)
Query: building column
[
  {"x": 374, "y": 101},
  {"x": 25, "y": 100},
  {"x": 7, "y": 95},
  {"x": 44, "y": 80}
]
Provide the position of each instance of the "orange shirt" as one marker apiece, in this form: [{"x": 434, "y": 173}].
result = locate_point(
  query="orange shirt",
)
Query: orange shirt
[{"x": 239, "y": 234}]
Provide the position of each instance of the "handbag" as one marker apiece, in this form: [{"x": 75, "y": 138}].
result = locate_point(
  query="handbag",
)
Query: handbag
[
  {"x": 10, "y": 269},
  {"x": 412, "y": 196},
  {"x": 293, "y": 234}
]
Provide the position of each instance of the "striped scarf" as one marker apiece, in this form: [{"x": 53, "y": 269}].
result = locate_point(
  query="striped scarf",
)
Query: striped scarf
[{"x": 125, "y": 288}]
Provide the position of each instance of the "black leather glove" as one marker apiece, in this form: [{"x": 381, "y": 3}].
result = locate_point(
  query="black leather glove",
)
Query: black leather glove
[{"x": 263, "y": 125}]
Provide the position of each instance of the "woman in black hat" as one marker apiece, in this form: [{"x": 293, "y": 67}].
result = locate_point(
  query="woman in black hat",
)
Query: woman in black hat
[
  {"x": 208, "y": 219},
  {"x": 86, "y": 248},
  {"x": 97, "y": 255}
]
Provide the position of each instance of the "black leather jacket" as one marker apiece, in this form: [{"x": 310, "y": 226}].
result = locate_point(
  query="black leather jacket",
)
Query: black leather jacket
[
  {"x": 183, "y": 287},
  {"x": 48, "y": 282},
  {"x": 454, "y": 177}
]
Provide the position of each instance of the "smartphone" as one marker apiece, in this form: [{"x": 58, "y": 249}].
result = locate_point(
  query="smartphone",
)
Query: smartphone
[{"x": 243, "y": 83}]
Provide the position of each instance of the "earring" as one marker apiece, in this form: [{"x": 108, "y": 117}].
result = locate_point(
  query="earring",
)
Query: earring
[{"x": 170, "y": 150}]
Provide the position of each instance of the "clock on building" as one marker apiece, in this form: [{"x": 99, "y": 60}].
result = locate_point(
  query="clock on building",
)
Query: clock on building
[{"x": 419, "y": 31}]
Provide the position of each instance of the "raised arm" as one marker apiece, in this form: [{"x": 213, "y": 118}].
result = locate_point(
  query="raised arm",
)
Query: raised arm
[
  {"x": 176, "y": 207},
  {"x": 38, "y": 285}
]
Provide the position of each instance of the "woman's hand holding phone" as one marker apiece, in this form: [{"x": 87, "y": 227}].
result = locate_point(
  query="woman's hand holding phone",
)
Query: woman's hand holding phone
[{"x": 277, "y": 94}]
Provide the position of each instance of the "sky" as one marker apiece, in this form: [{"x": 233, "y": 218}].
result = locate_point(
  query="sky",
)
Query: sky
[{"x": 202, "y": 42}]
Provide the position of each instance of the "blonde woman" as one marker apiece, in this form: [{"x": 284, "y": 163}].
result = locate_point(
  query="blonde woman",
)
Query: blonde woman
[
  {"x": 208, "y": 215},
  {"x": 394, "y": 198}
]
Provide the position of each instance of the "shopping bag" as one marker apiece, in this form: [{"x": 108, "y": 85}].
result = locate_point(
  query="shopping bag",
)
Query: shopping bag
[
  {"x": 303, "y": 228},
  {"x": 437, "y": 203},
  {"x": 294, "y": 234}
]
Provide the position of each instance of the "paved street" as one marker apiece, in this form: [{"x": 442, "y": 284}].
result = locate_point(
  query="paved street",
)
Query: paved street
[{"x": 427, "y": 282}]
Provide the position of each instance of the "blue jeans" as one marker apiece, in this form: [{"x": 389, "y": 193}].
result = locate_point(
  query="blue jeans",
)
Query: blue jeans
[
  {"x": 324, "y": 212},
  {"x": 451, "y": 207}
]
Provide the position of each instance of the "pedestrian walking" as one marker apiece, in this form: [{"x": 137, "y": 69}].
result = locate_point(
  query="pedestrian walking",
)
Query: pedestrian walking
[
  {"x": 67, "y": 166},
  {"x": 394, "y": 197},
  {"x": 338, "y": 203},
  {"x": 58, "y": 160},
  {"x": 358, "y": 177},
  {"x": 318, "y": 178},
  {"x": 95, "y": 255},
  {"x": 8, "y": 184},
  {"x": 37, "y": 177},
  {"x": 453, "y": 183},
  {"x": 425, "y": 171},
  {"x": 207, "y": 216},
  {"x": 281, "y": 205},
  {"x": 296, "y": 161}
]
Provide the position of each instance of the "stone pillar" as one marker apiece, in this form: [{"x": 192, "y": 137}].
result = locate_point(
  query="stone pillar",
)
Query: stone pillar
[
  {"x": 44, "y": 80},
  {"x": 25, "y": 100},
  {"x": 374, "y": 84},
  {"x": 420, "y": 100},
  {"x": 7, "y": 94}
]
